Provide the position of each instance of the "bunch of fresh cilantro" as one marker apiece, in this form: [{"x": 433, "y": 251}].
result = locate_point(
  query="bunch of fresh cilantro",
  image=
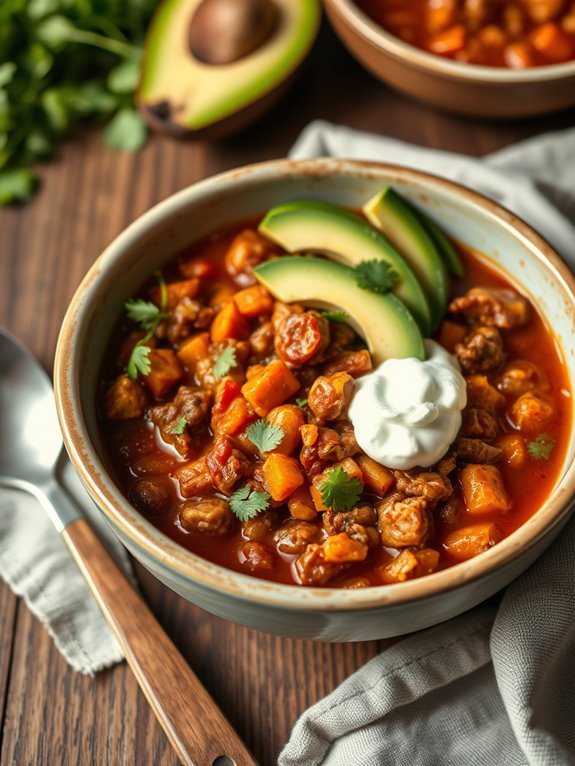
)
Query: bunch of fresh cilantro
[{"x": 62, "y": 61}]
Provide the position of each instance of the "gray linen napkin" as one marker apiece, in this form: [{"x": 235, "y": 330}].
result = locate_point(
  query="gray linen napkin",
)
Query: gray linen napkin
[
  {"x": 37, "y": 565},
  {"x": 495, "y": 686}
]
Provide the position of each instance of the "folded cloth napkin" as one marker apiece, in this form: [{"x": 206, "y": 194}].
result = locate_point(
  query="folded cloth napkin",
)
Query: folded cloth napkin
[
  {"x": 37, "y": 565},
  {"x": 495, "y": 686}
]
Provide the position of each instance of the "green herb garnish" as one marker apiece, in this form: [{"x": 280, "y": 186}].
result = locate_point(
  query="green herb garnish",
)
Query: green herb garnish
[
  {"x": 148, "y": 316},
  {"x": 264, "y": 435},
  {"x": 246, "y": 503},
  {"x": 336, "y": 316},
  {"x": 301, "y": 403},
  {"x": 340, "y": 491},
  {"x": 225, "y": 362},
  {"x": 145, "y": 313},
  {"x": 179, "y": 427},
  {"x": 541, "y": 447},
  {"x": 139, "y": 361},
  {"x": 377, "y": 276}
]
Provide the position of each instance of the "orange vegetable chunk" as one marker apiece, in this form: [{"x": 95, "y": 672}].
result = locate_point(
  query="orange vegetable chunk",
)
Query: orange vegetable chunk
[
  {"x": 376, "y": 477},
  {"x": 192, "y": 350},
  {"x": 550, "y": 41},
  {"x": 282, "y": 475},
  {"x": 341, "y": 549},
  {"x": 166, "y": 371},
  {"x": 448, "y": 41},
  {"x": 229, "y": 323},
  {"x": 235, "y": 418},
  {"x": 301, "y": 505},
  {"x": 270, "y": 387},
  {"x": 483, "y": 489},
  {"x": 254, "y": 301},
  {"x": 175, "y": 292},
  {"x": 514, "y": 450},
  {"x": 467, "y": 542},
  {"x": 289, "y": 418}
]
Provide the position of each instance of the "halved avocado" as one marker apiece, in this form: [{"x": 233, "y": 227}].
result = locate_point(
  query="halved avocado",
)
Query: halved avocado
[
  {"x": 329, "y": 229},
  {"x": 184, "y": 96},
  {"x": 388, "y": 212},
  {"x": 382, "y": 320}
]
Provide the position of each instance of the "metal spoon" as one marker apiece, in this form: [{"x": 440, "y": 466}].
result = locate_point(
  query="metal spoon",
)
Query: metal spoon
[{"x": 30, "y": 452}]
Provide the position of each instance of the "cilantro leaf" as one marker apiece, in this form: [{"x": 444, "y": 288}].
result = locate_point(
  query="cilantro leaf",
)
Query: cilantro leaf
[
  {"x": 264, "y": 435},
  {"x": 301, "y": 403},
  {"x": 246, "y": 503},
  {"x": 336, "y": 316},
  {"x": 179, "y": 427},
  {"x": 541, "y": 447},
  {"x": 145, "y": 313},
  {"x": 377, "y": 276},
  {"x": 225, "y": 362},
  {"x": 163, "y": 290},
  {"x": 126, "y": 131},
  {"x": 139, "y": 361},
  {"x": 340, "y": 491}
]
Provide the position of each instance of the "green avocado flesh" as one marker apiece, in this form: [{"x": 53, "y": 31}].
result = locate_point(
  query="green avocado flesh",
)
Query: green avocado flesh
[
  {"x": 190, "y": 95},
  {"x": 382, "y": 320},
  {"x": 388, "y": 212},
  {"x": 343, "y": 236},
  {"x": 449, "y": 254}
]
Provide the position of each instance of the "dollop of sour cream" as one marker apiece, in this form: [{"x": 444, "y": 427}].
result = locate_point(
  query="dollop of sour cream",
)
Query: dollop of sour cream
[{"x": 406, "y": 412}]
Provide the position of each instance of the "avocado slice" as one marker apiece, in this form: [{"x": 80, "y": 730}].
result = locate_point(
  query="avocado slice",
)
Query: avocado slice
[
  {"x": 383, "y": 321},
  {"x": 329, "y": 229},
  {"x": 388, "y": 212},
  {"x": 184, "y": 96},
  {"x": 449, "y": 254}
]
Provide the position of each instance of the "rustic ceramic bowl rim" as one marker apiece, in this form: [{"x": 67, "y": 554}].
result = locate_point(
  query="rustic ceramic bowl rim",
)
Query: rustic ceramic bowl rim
[
  {"x": 381, "y": 38},
  {"x": 185, "y": 566}
]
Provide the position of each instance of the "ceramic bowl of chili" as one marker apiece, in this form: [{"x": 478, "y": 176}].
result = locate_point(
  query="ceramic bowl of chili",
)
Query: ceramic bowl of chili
[
  {"x": 313, "y": 610},
  {"x": 520, "y": 66}
]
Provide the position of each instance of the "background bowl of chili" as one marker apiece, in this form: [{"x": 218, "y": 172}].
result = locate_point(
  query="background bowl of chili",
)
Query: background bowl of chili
[
  {"x": 507, "y": 244},
  {"x": 464, "y": 88}
]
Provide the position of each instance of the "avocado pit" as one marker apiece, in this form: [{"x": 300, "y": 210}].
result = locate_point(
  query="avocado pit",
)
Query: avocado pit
[{"x": 224, "y": 31}]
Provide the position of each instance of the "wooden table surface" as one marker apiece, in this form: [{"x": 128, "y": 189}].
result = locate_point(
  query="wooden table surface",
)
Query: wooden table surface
[{"x": 48, "y": 713}]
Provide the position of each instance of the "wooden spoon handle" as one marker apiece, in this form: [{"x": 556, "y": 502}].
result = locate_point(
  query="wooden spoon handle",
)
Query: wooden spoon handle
[{"x": 194, "y": 724}]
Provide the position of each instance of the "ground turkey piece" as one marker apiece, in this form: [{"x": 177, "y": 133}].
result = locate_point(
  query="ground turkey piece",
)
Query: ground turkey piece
[
  {"x": 190, "y": 405},
  {"x": 403, "y": 521},
  {"x": 481, "y": 351},
  {"x": 294, "y": 536},
  {"x": 312, "y": 568},
  {"x": 501, "y": 308},
  {"x": 208, "y": 516},
  {"x": 299, "y": 337},
  {"x": 476, "y": 451},
  {"x": 247, "y": 250},
  {"x": 125, "y": 399},
  {"x": 226, "y": 465},
  {"x": 257, "y": 557},
  {"x": 429, "y": 485},
  {"x": 330, "y": 395},
  {"x": 359, "y": 524},
  {"x": 188, "y": 315},
  {"x": 479, "y": 423}
]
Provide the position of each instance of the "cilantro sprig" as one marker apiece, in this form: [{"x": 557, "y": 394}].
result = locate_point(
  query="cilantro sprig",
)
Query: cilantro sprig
[
  {"x": 148, "y": 316},
  {"x": 339, "y": 490},
  {"x": 264, "y": 435},
  {"x": 246, "y": 503},
  {"x": 225, "y": 362},
  {"x": 180, "y": 426},
  {"x": 377, "y": 276},
  {"x": 541, "y": 447},
  {"x": 301, "y": 403}
]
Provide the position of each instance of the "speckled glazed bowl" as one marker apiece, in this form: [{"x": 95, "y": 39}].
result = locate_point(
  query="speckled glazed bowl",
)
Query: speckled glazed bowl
[
  {"x": 477, "y": 91},
  {"x": 151, "y": 241}
]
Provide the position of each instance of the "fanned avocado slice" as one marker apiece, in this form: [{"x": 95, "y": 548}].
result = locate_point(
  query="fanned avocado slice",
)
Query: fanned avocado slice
[
  {"x": 449, "y": 254},
  {"x": 382, "y": 320},
  {"x": 390, "y": 213},
  {"x": 331, "y": 230},
  {"x": 184, "y": 96}
]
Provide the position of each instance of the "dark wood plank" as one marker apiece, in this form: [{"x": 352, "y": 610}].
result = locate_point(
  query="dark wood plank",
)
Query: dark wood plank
[{"x": 89, "y": 194}]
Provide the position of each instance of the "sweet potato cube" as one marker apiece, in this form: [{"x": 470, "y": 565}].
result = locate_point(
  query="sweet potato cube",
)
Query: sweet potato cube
[
  {"x": 282, "y": 475},
  {"x": 351, "y": 468},
  {"x": 192, "y": 350},
  {"x": 341, "y": 549},
  {"x": 514, "y": 450},
  {"x": 301, "y": 505},
  {"x": 254, "y": 301},
  {"x": 272, "y": 386},
  {"x": 234, "y": 419},
  {"x": 175, "y": 292},
  {"x": 483, "y": 489},
  {"x": 289, "y": 418},
  {"x": 309, "y": 434},
  {"x": 229, "y": 323},
  {"x": 165, "y": 372},
  {"x": 377, "y": 478},
  {"x": 531, "y": 412},
  {"x": 315, "y": 493},
  {"x": 451, "y": 333},
  {"x": 467, "y": 542}
]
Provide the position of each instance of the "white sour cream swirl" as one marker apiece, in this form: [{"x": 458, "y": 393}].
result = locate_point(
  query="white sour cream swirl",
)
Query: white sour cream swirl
[{"x": 406, "y": 412}]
